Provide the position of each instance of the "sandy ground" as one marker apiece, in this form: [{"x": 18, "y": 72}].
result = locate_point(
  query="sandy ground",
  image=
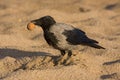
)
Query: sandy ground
[{"x": 25, "y": 55}]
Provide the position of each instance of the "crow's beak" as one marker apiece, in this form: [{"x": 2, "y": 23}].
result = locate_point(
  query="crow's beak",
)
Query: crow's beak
[{"x": 36, "y": 22}]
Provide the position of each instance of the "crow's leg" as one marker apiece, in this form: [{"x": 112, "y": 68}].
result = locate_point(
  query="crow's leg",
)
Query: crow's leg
[
  {"x": 62, "y": 52},
  {"x": 65, "y": 59},
  {"x": 60, "y": 59},
  {"x": 69, "y": 53}
]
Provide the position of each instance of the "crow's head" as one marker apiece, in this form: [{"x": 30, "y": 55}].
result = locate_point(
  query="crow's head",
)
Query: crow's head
[{"x": 45, "y": 22}]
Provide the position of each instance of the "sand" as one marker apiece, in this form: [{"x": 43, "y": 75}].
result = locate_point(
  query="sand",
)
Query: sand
[{"x": 25, "y": 55}]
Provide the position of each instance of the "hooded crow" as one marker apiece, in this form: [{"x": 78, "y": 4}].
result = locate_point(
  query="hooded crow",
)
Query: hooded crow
[{"x": 62, "y": 36}]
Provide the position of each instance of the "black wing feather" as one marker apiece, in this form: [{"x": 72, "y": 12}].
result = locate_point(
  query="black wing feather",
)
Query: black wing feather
[{"x": 77, "y": 36}]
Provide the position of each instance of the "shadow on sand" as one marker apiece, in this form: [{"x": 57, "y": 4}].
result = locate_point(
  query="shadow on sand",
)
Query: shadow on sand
[
  {"x": 110, "y": 76},
  {"x": 46, "y": 58},
  {"x": 19, "y": 53},
  {"x": 111, "y": 62}
]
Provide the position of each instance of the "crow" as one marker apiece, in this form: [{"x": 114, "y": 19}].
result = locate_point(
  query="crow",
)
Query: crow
[{"x": 64, "y": 37}]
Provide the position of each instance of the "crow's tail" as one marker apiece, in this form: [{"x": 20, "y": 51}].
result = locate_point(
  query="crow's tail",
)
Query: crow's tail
[{"x": 96, "y": 46}]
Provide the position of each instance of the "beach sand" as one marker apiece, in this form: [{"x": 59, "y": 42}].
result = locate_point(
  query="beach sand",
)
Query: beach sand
[{"x": 25, "y": 55}]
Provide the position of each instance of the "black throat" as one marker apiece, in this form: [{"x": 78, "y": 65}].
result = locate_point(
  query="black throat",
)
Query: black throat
[{"x": 47, "y": 26}]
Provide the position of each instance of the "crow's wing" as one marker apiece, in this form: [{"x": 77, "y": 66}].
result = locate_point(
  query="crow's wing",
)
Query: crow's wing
[{"x": 77, "y": 36}]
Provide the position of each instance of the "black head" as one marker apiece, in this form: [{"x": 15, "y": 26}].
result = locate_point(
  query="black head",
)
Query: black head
[{"x": 45, "y": 22}]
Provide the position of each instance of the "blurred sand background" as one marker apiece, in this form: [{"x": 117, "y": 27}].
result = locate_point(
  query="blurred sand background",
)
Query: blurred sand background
[{"x": 100, "y": 19}]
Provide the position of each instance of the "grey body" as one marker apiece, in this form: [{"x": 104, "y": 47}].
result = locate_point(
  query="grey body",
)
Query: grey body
[{"x": 58, "y": 30}]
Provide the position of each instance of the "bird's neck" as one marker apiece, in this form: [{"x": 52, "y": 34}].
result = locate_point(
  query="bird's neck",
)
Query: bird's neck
[
  {"x": 47, "y": 27},
  {"x": 48, "y": 24}
]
